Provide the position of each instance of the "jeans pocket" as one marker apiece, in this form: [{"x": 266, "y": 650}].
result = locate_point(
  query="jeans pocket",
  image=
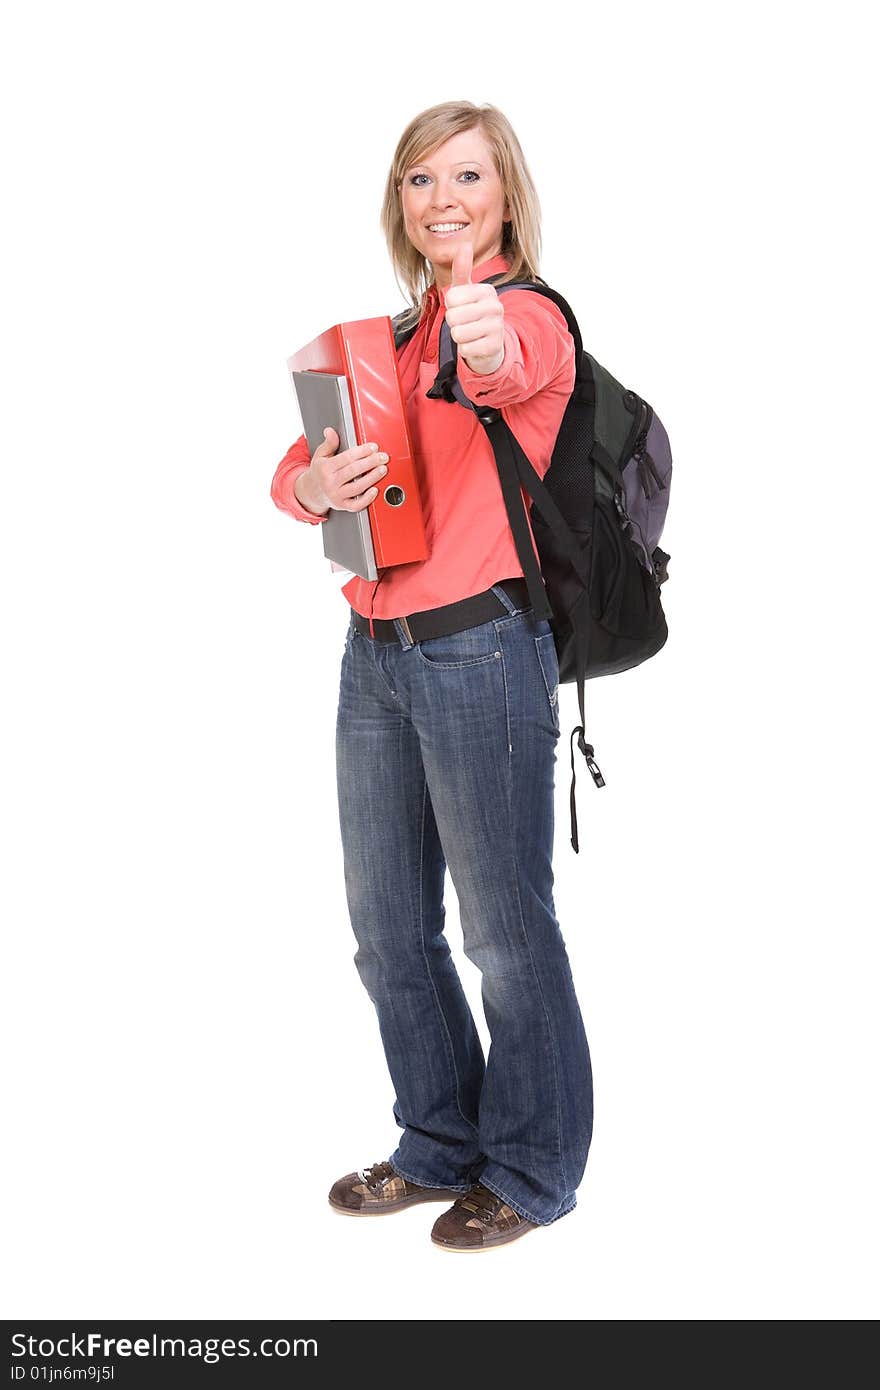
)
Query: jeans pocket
[
  {"x": 470, "y": 647},
  {"x": 545, "y": 646}
]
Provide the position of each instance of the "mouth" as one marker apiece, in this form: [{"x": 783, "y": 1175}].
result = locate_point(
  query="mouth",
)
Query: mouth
[{"x": 445, "y": 229}]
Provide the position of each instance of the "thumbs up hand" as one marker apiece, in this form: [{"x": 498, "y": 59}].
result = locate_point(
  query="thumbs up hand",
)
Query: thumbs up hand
[
  {"x": 463, "y": 263},
  {"x": 475, "y": 315}
]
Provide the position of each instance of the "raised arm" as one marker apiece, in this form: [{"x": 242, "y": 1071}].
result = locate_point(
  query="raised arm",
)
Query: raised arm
[{"x": 538, "y": 351}]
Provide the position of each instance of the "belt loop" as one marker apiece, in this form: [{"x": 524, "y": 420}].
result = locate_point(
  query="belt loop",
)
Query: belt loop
[
  {"x": 505, "y": 598},
  {"x": 401, "y": 627}
]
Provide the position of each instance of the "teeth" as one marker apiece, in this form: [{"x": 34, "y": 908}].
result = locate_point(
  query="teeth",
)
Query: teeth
[{"x": 447, "y": 226}]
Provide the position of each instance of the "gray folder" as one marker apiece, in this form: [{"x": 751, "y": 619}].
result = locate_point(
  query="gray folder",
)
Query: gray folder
[{"x": 324, "y": 400}]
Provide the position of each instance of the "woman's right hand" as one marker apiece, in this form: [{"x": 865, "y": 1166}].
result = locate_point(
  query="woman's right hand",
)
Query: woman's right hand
[{"x": 346, "y": 481}]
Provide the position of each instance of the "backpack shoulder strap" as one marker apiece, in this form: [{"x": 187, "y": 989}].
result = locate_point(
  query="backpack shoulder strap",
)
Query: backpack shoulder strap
[
  {"x": 446, "y": 384},
  {"x": 402, "y": 335}
]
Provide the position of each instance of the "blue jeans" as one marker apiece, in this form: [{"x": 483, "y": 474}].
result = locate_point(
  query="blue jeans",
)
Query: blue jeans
[{"x": 445, "y": 754}]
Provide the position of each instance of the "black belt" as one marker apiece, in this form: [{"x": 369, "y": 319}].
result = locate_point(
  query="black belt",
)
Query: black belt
[{"x": 449, "y": 618}]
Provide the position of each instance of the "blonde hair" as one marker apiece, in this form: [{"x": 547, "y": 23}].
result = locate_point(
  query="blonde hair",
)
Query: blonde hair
[{"x": 521, "y": 236}]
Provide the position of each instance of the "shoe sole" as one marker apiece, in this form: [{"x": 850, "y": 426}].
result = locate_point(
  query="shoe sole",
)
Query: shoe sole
[
  {"x": 489, "y": 1245},
  {"x": 388, "y": 1207}
]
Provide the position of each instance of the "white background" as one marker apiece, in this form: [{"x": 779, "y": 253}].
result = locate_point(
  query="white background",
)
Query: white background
[{"x": 192, "y": 192}]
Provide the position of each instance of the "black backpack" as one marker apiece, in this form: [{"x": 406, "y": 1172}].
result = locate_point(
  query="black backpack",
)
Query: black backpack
[{"x": 600, "y": 513}]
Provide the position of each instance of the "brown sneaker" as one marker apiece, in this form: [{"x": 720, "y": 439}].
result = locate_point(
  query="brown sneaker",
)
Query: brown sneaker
[
  {"x": 477, "y": 1220},
  {"x": 377, "y": 1190}
]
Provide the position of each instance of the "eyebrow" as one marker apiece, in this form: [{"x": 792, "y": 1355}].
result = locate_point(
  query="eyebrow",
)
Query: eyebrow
[{"x": 457, "y": 165}]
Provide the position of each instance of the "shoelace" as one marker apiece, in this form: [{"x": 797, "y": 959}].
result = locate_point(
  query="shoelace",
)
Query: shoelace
[
  {"x": 481, "y": 1201},
  {"x": 377, "y": 1173}
]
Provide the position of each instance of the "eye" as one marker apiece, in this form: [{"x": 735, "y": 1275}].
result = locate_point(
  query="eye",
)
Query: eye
[{"x": 424, "y": 176}]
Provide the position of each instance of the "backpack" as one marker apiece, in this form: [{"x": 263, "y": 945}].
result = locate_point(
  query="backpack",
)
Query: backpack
[{"x": 600, "y": 513}]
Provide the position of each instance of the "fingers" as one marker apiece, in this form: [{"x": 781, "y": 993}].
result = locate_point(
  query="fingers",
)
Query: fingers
[
  {"x": 474, "y": 312},
  {"x": 463, "y": 263},
  {"x": 349, "y": 480},
  {"x": 465, "y": 299},
  {"x": 357, "y": 504},
  {"x": 331, "y": 444},
  {"x": 475, "y": 308},
  {"x": 479, "y": 347},
  {"x": 478, "y": 327},
  {"x": 360, "y": 503},
  {"x": 361, "y": 491}
]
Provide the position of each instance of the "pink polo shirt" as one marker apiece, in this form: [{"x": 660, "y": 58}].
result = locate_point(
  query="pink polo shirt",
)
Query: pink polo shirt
[{"x": 470, "y": 544}]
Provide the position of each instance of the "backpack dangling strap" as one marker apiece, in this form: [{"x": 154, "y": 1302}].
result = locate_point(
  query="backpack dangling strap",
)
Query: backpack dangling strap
[{"x": 580, "y": 729}]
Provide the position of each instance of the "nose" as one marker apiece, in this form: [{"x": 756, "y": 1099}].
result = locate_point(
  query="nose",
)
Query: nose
[{"x": 441, "y": 203}]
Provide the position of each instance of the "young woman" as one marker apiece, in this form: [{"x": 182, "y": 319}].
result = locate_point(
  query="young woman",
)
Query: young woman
[{"x": 448, "y": 719}]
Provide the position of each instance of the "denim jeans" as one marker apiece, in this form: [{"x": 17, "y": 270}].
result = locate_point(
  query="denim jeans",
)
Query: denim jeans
[{"x": 445, "y": 754}]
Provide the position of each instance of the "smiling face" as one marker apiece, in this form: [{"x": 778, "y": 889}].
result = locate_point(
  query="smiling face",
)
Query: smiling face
[{"x": 457, "y": 183}]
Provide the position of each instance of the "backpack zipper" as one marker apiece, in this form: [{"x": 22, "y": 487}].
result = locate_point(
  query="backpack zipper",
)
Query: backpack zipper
[
  {"x": 650, "y": 479},
  {"x": 631, "y": 449},
  {"x": 659, "y": 485},
  {"x": 632, "y": 401}
]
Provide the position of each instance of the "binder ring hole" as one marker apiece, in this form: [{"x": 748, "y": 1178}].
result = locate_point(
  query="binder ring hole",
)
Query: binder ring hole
[{"x": 394, "y": 495}]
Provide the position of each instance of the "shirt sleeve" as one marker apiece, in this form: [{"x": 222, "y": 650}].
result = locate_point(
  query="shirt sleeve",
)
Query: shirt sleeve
[
  {"x": 538, "y": 348},
  {"x": 295, "y": 462}
]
